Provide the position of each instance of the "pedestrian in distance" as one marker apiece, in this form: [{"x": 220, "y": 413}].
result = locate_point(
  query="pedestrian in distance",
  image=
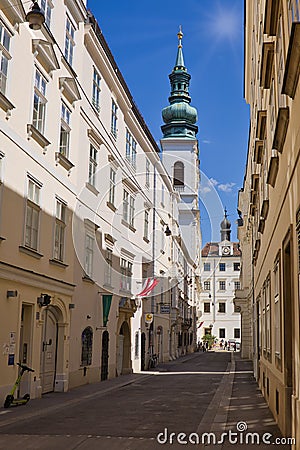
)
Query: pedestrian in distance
[{"x": 225, "y": 345}]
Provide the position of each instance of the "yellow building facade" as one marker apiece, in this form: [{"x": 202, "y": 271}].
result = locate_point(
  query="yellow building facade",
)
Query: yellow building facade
[{"x": 269, "y": 202}]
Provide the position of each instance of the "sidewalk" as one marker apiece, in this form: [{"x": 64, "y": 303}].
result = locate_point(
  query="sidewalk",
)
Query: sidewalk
[{"x": 239, "y": 407}]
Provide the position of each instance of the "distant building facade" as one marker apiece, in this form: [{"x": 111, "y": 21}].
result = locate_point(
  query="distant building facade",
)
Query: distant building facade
[{"x": 220, "y": 277}]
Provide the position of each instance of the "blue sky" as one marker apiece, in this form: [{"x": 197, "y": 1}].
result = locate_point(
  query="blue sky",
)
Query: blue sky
[{"x": 142, "y": 36}]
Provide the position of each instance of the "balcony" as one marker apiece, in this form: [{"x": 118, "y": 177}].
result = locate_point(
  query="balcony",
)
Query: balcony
[
  {"x": 292, "y": 67},
  {"x": 267, "y": 64},
  {"x": 273, "y": 168},
  {"x": 282, "y": 124},
  {"x": 271, "y": 17}
]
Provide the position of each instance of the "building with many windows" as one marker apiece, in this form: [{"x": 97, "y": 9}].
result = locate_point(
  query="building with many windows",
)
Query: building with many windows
[
  {"x": 220, "y": 277},
  {"x": 89, "y": 214},
  {"x": 269, "y": 204}
]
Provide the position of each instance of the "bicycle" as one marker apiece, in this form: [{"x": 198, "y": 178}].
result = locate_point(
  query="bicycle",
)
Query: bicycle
[{"x": 10, "y": 400}]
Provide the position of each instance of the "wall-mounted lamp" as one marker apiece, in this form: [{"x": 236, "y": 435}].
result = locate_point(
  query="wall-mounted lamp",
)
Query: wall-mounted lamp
[
  {"x": 44, "y": 300},
  {"x": 168, "y": 232},
  {"x": 35, "y": 17},
  {"x": 10, "y": 294}
]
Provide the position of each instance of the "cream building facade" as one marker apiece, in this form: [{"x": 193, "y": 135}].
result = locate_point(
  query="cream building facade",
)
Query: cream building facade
[
  {"x": 269, "y": 205},
  {"x": 81, "y": 231}
]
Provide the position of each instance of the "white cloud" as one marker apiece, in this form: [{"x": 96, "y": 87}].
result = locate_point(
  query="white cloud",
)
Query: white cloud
[
  {"x": 213, "y": 182},
  {"x": 206, "y": 141},
  {"x": 227, "y": 187},
  {"x": 205, "y": 189}
]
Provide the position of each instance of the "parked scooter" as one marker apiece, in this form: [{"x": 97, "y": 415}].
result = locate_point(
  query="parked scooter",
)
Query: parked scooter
[{"x": 10, "y": 400}]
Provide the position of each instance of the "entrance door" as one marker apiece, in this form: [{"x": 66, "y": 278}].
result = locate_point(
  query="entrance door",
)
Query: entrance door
[
  {"x": 120, "y": 354},
  {"x": 25, "y": 347},
  {"x": 143, "y": 351},
  {"x": 104, "y": 356},
  {"x": 49, "y": 350}
]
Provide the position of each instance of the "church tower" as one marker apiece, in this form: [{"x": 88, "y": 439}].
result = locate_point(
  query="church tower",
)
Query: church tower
[{"x": 180, "y": 152}]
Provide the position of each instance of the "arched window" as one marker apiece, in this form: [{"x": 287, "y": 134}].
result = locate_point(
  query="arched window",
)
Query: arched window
[
  {"x": 178, "y": 176},
  {"x": 86, "y": 346}
]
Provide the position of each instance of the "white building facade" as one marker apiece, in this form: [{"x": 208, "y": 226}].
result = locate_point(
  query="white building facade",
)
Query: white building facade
[
  {"x": 87, "y": 205},
  {"x": 220, "y": 277}
]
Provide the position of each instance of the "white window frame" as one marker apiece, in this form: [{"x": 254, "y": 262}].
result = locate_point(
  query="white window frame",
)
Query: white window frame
[
  {"x": 5, "y": 56},
  {"x": 146, "y": 224},
  {"x": 46, "y": 9},
  {"x": 65, "y": 130},
  {"x": 131, "y": 145},
  {"x": 147, "y": 173},
  {"x": 69, "y": 41},
  {"x": 32, "y": 225},
  {"x": 112, "y": 186},
  {"x": 93, "y": 163},
  {"x": 89, "y": 254},
  {"x": 96, "y": 89},
  {"x": 39, "y": 101},
  {"x": 60, "y": 230},
  {"x": 108, "y": 267},
  {"x": 126, "y": 274},
  {"x": 114, "y": 117}
]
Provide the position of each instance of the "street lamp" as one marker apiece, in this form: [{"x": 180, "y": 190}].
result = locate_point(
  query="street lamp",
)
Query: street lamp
[{"x": 35, "y": 17}]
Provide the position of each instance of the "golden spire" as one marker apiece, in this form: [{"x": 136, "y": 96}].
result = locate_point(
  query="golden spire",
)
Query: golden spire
[{"x": 180, "y": 36}]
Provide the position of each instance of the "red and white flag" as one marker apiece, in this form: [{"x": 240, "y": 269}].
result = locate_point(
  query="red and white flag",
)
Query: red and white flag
[{"x": 148, "y": 287}]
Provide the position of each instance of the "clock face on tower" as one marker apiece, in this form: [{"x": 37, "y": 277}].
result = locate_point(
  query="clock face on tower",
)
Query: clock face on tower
[{"x": 226, "y": 250}]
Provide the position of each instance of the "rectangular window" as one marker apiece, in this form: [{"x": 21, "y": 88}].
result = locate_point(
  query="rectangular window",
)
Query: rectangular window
[
  {"x": 222, "y": 285},
  {"x": 108, "y": 268},
  {"x": 59, "y": 234},
  {"x": 146, "y": 224},
  {"x": 277, "y": 308},
  {"x": 237, "y": 333},
  {"x": 206, "y": 307},
  {"x": 268, "y": 316},
  {"x": 126, "y": 274},
  {"x": 237, "y": 285},
  {"x": 46, "y": 9},
  {"x": 96, "y": 90},
  {"x": 39, "y": 102},
  {"x": 64, "y": 142},
  {"x": 147, "y": 172},
  {"x": 112, "y": 186},
  {"x": 221, "y": 333},
  {"x": 69, "y": 42},
  {"x": 207, "y": 285},
  {"x": 92, "y": 165},
  {"x": 222, "y": 307},
  {"x": 114, "y": 117},
  {"x": 294, "y": 15},
  {"x": 206, "y": 267},
  {"x": 236, "y": 266},
  {"x": 130, "y": 148},
  {"x": 89, "y": 253},
  {"x": 32, "y": 215},
  {"x": 125, "y": 206},
  {"x": 222, "y": 267},
  {"x": 4, "y": 57},
  {"x": 131, "y": 210}
]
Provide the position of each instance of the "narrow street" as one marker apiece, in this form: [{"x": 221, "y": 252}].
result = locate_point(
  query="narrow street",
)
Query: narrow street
[{"x": 190, "y": 395}]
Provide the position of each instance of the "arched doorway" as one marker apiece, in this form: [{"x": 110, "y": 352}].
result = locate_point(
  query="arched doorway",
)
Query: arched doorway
[
  {"x": 123, "y": 353},
  {"x": 49, "y": 349},
  {"x": 104, "y": 356}
]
